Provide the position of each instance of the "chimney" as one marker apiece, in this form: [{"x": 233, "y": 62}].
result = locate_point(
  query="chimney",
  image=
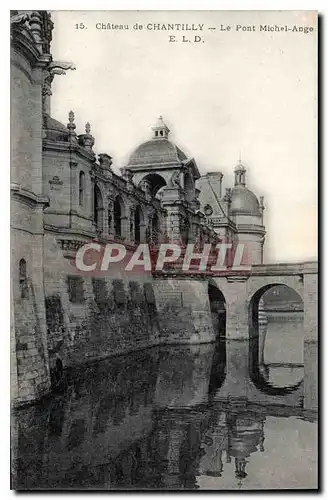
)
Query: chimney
[{"x": 215, "y": 180}]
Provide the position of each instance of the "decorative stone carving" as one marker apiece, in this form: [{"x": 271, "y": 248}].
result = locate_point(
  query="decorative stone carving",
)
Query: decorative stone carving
[
  {"x": 146, "y": 187},
  {"x": 71, "y": 125},
  {"x": 55, "y": 183},
  {"x": 227, "y": 196},
  {"x": 105, "y": 161},
  {"x": 127, "y": 174},
  {"x": 86, "y": 140},
  {"x": 16, "y": 18},
  {"x": 208, "y": 210},
  {"x": 175, "y": 180},
  {"x": 54, "y": 68}
]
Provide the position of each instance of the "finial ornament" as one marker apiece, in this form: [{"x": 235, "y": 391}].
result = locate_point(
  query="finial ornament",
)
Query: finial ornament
[
  {"x": 71, "y": 125},
  {"x": 239, "y": 161},
  {"x": 86, "y": 140}
]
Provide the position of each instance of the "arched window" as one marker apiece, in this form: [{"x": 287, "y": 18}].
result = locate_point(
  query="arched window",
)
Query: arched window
[
  {"x": 81, "y": 188},
  {"x": 23, "y": 278}
]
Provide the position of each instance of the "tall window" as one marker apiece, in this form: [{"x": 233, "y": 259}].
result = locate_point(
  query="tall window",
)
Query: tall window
[
  {"x": 81, "y": 188},
  {"x": 23, "y": 278}
]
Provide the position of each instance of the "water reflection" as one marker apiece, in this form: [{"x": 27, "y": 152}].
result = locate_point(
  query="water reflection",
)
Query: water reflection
[{"x": 165, "y": 418}]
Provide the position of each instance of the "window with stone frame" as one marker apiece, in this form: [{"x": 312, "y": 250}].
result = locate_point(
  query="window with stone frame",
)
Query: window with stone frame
[{"x": 75, "y": 289}]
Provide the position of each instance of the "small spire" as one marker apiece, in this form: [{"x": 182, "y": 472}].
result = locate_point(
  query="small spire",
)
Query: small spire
[
  {"x": 240, "y": 173},
  {"x": 88, "y": 128}
]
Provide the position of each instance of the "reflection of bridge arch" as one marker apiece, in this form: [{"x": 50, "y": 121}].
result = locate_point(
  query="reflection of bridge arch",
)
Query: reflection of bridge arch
[
  {"x": 218, "y": 313},
  {"x": 259, "y": 372},
  {"x": 218, "y": 309}
]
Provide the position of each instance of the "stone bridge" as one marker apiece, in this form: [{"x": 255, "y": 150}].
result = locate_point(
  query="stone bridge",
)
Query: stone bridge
[{"x": 184, "y": 300}]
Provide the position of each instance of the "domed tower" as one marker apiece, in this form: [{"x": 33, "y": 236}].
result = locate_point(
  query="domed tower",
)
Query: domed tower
[
  {"x": 163, "y": 170},
  {"x": 161, "y": 163},
  {"x": 247, "y": 213}
]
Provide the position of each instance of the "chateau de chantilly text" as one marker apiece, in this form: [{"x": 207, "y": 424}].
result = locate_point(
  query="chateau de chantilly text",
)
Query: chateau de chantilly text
[{"x": 196, "y": 32}]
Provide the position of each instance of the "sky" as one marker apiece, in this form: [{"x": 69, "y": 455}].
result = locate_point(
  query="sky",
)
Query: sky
[{"x": 238, "y": 91}]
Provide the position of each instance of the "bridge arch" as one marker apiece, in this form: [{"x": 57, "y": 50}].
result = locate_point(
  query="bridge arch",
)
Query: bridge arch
[{"x": 260, "y": 369}]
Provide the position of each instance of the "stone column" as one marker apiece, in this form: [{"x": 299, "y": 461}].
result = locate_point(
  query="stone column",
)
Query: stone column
[
  {"x": 110, "y": 215},
  {"x": 236, "y": 309},
  {"x": 131, "y": 233},
  {"x": 173, "y": 226},
  {"x": 125, "y": 228}
]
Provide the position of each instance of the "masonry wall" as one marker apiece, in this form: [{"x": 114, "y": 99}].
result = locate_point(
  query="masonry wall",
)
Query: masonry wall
[
  {"x": 118, "y": 314},
  {"x": 113, "y": 315},
  {"x": 29, "y": 364},
  {"x": 184, "y": 311}
]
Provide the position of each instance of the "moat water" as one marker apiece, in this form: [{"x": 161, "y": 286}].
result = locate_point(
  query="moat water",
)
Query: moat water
[{"x": 179, "y": 417}]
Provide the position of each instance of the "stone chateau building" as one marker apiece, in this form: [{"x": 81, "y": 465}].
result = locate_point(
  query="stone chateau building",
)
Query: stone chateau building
[{"x": 63, "y": 195}]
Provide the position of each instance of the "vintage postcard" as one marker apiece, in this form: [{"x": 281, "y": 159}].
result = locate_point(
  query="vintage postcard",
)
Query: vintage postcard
[{"x": 164, "y": 323}]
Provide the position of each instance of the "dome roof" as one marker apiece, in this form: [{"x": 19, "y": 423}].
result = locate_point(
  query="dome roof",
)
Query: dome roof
[
  {"x": 156, "y": 151},
  {"x": 244, "y": 201}
]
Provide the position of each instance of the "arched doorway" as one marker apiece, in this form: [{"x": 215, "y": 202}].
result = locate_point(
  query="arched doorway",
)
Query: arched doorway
[
  {"x": 276, "y": 338},
  {"x": 218, "y": 314},
  {"x": 98, "y": 208}
]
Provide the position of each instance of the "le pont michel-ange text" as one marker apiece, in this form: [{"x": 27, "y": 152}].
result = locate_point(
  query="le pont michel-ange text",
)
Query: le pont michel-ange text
[{"x": 199, "y": 28}]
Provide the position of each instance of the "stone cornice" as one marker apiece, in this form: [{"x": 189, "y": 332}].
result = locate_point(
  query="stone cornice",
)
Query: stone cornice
[
  {"x": 68, "y": 147},
  {"x": 251, "y": 228},
  {"x": 70, "y": 232},
  {"x": 28, "y": 196},
  {"x": 155, "y": 166}
]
